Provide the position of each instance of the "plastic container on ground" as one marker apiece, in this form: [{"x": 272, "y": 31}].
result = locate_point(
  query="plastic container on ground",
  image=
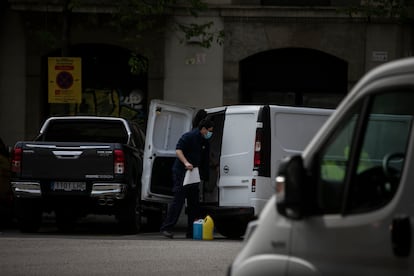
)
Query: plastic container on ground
[
  {"x": 208, "y": 228},
  {"x": 198, "y": 229}
]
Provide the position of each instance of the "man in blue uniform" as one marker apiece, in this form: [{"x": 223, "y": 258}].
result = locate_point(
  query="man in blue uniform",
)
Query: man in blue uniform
[{"x": 190, "y": 150}]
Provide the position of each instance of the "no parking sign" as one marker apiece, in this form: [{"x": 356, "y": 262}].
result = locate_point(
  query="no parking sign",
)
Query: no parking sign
[{"x": 65, "y": 80}]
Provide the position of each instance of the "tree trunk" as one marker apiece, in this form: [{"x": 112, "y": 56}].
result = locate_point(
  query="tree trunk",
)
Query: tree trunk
[{"x": 66, "y": 22}]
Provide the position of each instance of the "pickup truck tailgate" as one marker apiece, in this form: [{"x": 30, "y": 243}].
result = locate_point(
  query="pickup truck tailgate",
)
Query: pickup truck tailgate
[{"x": 80, "y": 161}]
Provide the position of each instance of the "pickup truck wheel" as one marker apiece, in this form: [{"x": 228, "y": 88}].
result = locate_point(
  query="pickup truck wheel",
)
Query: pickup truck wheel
[
  {"x": 129, "y": 215},
  {"x": 29, "y": 215},
  {"x": 154, "y": 220}
]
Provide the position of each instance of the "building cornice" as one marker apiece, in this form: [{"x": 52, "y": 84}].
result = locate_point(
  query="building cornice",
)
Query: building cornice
[{"x": 227, "y": 11}]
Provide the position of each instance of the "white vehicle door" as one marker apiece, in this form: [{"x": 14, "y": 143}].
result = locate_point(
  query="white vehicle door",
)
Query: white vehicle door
[
  {"x": 166, "y": 123},
  {"x": 364, "y": 174},
  {"x": 292, "y": 129},
  {"x": 237, "y": 152}
]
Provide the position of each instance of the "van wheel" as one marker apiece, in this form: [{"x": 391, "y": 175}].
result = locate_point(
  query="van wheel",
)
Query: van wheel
[
  {"x": 231, "y": 229},
  {"x": 129, "y": 215},
  {"x": 28, "y": 214}
]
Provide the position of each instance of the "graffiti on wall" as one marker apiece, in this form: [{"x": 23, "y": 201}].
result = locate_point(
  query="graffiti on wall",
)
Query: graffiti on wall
[{"x": 127, "y": 104}]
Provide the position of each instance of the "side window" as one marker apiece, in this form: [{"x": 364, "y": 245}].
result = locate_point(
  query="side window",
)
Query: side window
[
  {"x": 334, "y": 163},
  {"x": 138, "y": 135},
  {"x": 361, "y": 165},
  {"x": 380, "y": 159}
]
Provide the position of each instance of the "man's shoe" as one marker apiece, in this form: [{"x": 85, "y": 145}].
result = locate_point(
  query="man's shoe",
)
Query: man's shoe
[{"x": 167, "y": 234}]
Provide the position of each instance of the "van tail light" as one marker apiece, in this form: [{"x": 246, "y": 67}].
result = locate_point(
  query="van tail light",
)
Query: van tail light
[
  {"x": 16, "y": 162},
  {"x": 262, "y": 144},
  {"x": 253, "y": 185},
  {"x": 258, "y": 149},
  {"x": 119, "y": 161}
]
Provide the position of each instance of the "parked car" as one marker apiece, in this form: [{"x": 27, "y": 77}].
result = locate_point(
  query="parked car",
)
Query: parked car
[
  {"x": 6, "y": 195},
  {"x": 80, "y": 165},
  {"x": 345, "y": 205}
]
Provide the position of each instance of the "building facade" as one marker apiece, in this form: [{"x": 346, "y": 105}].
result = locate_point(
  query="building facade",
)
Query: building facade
[{"x": 306, "y": 53}]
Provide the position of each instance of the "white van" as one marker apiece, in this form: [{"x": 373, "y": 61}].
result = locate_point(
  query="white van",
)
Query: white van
[
  {"x": 345, "y": 205},
  {"x": 247, "y": 145}
]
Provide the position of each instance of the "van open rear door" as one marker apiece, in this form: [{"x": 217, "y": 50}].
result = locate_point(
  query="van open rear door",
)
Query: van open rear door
[
  {"x": 292, "y": 130},
  {"x": 166, "y": 123}
]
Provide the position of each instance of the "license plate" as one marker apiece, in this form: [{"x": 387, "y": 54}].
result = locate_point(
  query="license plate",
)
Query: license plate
[{"x": 68, "y": 186}]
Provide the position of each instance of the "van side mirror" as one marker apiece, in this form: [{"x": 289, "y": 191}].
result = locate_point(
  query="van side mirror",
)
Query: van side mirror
[{"x": 290, "y": 201}]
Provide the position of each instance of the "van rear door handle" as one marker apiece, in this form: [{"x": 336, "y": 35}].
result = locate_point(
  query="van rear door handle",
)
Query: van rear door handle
[{"x": 401, "y": 236}]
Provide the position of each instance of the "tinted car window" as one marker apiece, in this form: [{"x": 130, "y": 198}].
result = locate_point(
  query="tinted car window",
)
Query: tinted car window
[
  {"x": 360, "y": 168},
  {"x": 86, "y": 131}
]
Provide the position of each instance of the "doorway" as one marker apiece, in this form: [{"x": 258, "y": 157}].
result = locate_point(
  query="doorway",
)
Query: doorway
[{"x": 293, "y": 76}]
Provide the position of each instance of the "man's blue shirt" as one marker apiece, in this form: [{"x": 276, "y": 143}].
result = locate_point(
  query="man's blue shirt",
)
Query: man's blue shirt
[{"x": 192, "y": 144}]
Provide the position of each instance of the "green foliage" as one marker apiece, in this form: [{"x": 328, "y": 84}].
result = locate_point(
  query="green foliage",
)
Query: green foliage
[
  {"x": 201, "y": 34},
  {"x": 72, "y": 4},
  {"x": 138, "y": 64},
  {"x": 386, "y": 9},
  {"x": 135, "y": 18},
  {"x": 140, "y": 16},
  {"x": 47, "y": 38},
  {"x": 195, "y": 6}
]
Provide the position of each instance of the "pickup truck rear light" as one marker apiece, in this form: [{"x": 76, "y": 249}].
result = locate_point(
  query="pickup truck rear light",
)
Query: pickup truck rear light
[
  {"x": 119, "y": 162},
  {"x": 16, "y": 160}
]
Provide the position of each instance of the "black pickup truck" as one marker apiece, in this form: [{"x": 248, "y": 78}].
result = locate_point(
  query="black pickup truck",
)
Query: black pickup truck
[{"x": 79, "y": 165}]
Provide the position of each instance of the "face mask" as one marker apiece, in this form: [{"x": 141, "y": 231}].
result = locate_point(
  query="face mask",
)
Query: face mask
[{"x": 208, "y": 135}]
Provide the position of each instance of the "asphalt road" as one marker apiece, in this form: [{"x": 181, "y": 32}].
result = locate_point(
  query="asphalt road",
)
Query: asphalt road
[{"x": 95, "y": 248}]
